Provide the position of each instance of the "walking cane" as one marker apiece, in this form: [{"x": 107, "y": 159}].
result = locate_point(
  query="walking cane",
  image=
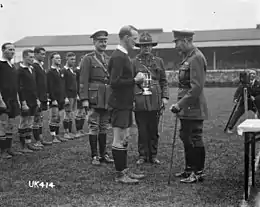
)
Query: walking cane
[{"x": 173, "y": 144}]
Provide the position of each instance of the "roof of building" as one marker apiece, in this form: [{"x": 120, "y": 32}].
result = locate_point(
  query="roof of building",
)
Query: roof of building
[{"x": 158, "y": 35}]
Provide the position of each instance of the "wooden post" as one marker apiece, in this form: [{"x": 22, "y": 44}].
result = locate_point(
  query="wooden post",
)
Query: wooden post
[
  {"x": 245, "y": 103},
  {"x": 214, "y": 60}
]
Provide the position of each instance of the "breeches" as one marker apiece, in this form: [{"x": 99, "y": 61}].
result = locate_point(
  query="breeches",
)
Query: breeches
[
  {"x": 98, "y": 121},
  {"x": 191, "y": 132},
  {"x": 147, "y": 124},
  {"x": 7, "y": 126},
  {"x": 70, "y": 109}
]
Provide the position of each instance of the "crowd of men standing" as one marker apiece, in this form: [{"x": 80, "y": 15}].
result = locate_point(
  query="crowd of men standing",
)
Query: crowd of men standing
[{"x": 108, "y": 90}]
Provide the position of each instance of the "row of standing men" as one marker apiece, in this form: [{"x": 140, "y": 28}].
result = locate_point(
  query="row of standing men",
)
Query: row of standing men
[
  {"x": 109, "y": 89},
  {"x": 29, "y": 91}
]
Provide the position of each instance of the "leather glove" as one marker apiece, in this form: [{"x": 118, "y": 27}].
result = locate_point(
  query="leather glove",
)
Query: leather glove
[{"x": 175, "y": 108}]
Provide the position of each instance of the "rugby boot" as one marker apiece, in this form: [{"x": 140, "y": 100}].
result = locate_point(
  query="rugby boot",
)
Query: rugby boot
[
  {"x": 141, "y": 161},
  {"x": 61, "y": 138},
  {"x": 106, "y": 159},
  {"x": 95, "y": 160},
  {"x": 55, "y": 139},
  {"x": 123, "y": 178},
  {"x": 33, "y": 147},
  {"x": 38, "y": 144},
  {"x": 134, "y": 175},
  {"x": 13, "y": 153},
  {"x": 155, "y": 161},
  {"x": 72, "y": 136},
  {"x": 67, "y": 136},
  {"x": 25, "y": 149},
  {"x": 193, "y": 178},
  {"x": 46, "y": 143},
  {"x": 9, "y": 149},
  {"x": 78, "y": 135},
  {"x": 5, "y": 155},
  {"x": 184, "y": 174}
]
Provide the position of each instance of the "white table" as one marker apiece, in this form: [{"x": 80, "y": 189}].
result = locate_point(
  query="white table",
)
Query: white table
[{"x": 250, "y": 128}]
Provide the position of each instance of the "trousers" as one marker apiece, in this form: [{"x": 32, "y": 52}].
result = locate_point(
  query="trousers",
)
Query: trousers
[
  {"x": 191, "y": 134},
  {"x": 147, "y": 124}
]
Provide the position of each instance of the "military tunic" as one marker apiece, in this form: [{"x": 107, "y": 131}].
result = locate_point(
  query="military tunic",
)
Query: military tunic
[
  {"x": 191, "y": 100},
  {"x": 94, "y": 87},
  {"x": 147, "y": 106}
]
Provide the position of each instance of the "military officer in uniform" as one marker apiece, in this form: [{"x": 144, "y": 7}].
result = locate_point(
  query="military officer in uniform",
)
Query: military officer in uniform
[
  {"x": 94, "y": 93},
  {"x": 148, "y": 106},
  {"x": 191, "y": 107}
]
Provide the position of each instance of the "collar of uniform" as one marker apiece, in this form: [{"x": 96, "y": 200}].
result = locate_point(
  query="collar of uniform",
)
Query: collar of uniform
[
  {"x": 67, "y": 67},
  {"x": 38, "y": 62},
  {"x": 55, "y": 68},
  {"x": 189, "y": 54},
  {"x": 2, "y": 59},
  {"x": 122, "y": 49},
  {"x": 24, "y": 66}
]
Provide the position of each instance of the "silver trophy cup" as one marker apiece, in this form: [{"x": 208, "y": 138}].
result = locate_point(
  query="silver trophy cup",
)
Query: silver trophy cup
[{"x": 147, "y": 84}]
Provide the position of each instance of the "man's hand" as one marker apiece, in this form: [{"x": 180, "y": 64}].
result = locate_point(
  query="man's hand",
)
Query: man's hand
[
  {"x": 38, "y": 103},
  {"x": 2, "y": 104},
  {"x": 25, "y": 106},
  {"x": 78, "y": 97},
  {"x": 253, "y": 98},
  {"x": 54, "y": 103},
  {"x": 85, "y": 104},
  {"x": 235, "y": 101},
  {"x": 165, "y": 102},
  {"x": 67, "y": 101},
  {"x": 139, "y": 78},
  {"x": 175, "y": 108}
]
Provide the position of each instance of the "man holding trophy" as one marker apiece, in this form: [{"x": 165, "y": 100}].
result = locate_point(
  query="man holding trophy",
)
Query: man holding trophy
[{"x": 150, "y": 98}]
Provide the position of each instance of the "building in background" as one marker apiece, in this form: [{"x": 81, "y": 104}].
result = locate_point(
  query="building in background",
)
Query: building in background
[{"x": 224, "y": 49}]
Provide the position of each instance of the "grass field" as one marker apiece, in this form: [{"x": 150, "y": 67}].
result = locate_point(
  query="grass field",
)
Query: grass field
[{"x": 77, "y": 183}]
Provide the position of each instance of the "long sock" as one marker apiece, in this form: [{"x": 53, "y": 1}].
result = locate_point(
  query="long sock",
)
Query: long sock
[
  {"x": 57, "y": 130},
  {"x": 66, "y": 125},
  {"x": 52, "y": 130},
  {"x": 78, "y": 124},
  {"x": 2, "y": 143},
  {"x": 8, "y": 142},
  {"x": 36, "y": 134},
  {"x": 28, "y": 137},
  {"x": 22, "y": 136},
  {"x": 82, "y": 122},
  {"x": 40, "y": 130},
  {"x": 120, "y": 158},
  {"x": 70, "y": 126}
]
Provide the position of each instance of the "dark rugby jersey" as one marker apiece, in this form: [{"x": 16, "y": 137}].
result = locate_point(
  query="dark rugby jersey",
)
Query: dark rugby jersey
[
  {"x": 27, "y": 85},
  {"x": 41, "y": 81},
  {"x": 70, "y": 78},
  {"x": 56, "y": 85},
  {"x": 8, "y": 81}
]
